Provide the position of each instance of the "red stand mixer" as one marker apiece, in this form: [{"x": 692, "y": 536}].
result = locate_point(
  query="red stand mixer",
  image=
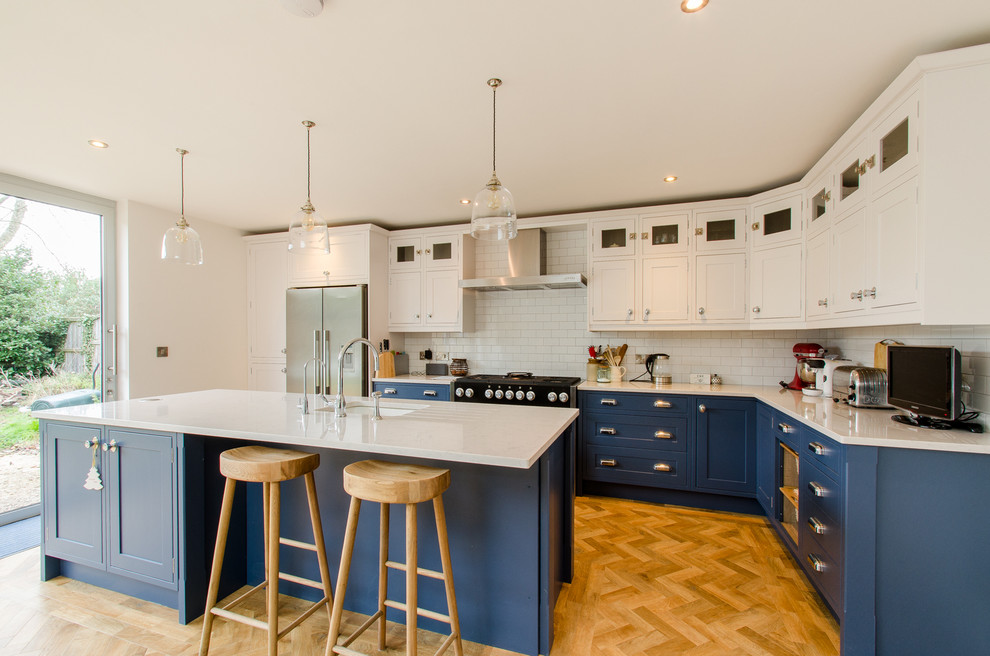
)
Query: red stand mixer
[{"x": 804, "y": 376}]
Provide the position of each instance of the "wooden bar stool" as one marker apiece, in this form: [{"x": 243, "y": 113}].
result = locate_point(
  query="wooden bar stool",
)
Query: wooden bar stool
[
  {"x": 259, "y": 464},
  {"x": 388, "y": 483}
]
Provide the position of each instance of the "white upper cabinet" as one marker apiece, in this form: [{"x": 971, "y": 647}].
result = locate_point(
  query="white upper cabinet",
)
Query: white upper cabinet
[
  {"x": 776, "y": 221},
  {"x": 442, "y": 293},
  {"x": 267, "y": 279},
  {"x": 819, "y": 205},
  {"x": 720, "y": 290},
  {"x": 425, "y": 270},
  {"x": 614, "y": 237},
  {"x": 850, "y": 171},
  {"x": 612, "y": 291},
  {"x": 895, "y": 144},
  {"x": 775, "y": 287},
  {"x": 665, "y": 290},
  {"x": 817, "y": 283},
  {"x": 849, "y": 268},
  {"x": 347, "y": 263},
  {"x": 412, "y": 253},
  {"x": 720, "y": 230},
  {"x": 664, "y": 234},
  {"x": 405, "y": 253},
  {"x": 894, "y": 247},
  {"x": 405, "y": 300}
]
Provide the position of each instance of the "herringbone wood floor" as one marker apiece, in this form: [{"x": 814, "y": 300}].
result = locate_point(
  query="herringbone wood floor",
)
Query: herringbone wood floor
[{"x": 650, "y": 580}]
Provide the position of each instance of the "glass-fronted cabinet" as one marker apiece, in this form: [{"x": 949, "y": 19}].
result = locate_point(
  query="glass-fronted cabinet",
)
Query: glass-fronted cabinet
[
  {"x": 441, "y": 251},
  {"x": 662, "y": 234},
  {"x": 720, "y": 230},
  {"x": 818, "y": 204},
  {"x": 405, "y": 253},
  {"x": 614, "y": 237},
  {"x": 895, "y": 140},
  {"x": 776, "y": 221}
]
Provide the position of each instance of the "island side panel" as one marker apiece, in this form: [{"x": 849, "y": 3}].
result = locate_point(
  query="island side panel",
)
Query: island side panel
[
  {"x": 493, "y": 519},
  {"x": 556, "y": 529}
]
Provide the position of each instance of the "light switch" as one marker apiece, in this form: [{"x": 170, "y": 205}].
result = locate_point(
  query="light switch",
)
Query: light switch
[{"x": 162, "y": 351}]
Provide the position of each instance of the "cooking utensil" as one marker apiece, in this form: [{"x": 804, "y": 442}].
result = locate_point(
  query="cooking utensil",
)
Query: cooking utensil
[{"x": 622, "y": 353}]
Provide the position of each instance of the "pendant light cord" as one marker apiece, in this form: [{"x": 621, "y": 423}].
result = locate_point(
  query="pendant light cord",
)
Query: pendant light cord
[
  {"x": 308, "y": 128},
  {"x": 494, "y": 89},
  {"x": 182, "y": 186}
]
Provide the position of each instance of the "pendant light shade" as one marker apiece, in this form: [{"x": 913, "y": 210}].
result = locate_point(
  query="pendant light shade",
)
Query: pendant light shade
[
  {"x": 493, "y": 214},
  {"x": 181, "y": 243},
  {"x": 308, "y": 230}
]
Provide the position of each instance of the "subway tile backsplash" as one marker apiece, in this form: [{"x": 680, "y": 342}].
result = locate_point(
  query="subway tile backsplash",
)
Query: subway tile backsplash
[{"x": 545, "y": 332}]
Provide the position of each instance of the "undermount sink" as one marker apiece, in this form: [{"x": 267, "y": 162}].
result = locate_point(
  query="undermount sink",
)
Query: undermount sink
[{"x": 388, "y": 409}]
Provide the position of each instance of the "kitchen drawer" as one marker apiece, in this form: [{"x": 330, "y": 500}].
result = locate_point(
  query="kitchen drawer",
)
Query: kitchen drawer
[
  {"x": 824, "y": 451},
  {"x": 420, "y": 391},
  {"x": 661, "y": 433},
  {"x": 823, "y": 570},
  {"x": 636, "y": 466},
  {"x": 828, "y": 499},
  {"x": 819, "y": 524},
  {"x": 787, "y": 430},
  {"x": 637, "y": 402}
]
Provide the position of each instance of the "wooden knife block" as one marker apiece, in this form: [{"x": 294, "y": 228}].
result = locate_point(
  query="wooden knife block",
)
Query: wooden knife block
[{"x": 386, "y": 364}]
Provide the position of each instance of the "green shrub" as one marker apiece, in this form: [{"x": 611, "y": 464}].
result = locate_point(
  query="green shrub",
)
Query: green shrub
[{"x": 17, "y": 427}]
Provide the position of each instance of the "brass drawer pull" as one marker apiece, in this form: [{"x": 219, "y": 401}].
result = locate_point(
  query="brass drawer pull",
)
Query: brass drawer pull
[
  {"x": 817, "y": 448},
  {"x": 816, "y": 525},
  {"x": 607, "y": 462},
  {"x": 786, "y": 429},
  {"x": 660, "y": 403},
  {"x": 606, "y": 431},
  {"x": 817, "y": 563},
  {"x": 661, "y": 467},
  {"x": 816, "y": 489},
  {"x": 663, "y": 435},
  {"x": 609, "y": 402}
]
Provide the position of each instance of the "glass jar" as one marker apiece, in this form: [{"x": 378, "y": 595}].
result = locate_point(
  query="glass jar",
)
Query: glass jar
[{"x": 458, "y": 367}]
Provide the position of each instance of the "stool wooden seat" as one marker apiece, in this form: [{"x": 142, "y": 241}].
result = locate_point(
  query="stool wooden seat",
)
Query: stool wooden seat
[
  {"x": 270, "y": 467},
  {"x": 387, "y": 483}
]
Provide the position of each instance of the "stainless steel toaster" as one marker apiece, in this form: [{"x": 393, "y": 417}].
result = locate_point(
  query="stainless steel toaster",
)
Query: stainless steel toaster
[{"x": 862, "y": 387}]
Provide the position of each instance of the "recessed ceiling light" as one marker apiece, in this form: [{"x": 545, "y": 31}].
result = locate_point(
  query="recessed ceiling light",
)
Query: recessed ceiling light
[
  {"x": 96, "y": 143},
  {"x": 670, "y": 178},
  {"x": 465, "y": 201},
  {"x": 691, "y": 6}
]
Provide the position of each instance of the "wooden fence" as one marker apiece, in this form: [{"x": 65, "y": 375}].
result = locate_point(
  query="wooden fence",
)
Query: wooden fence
[{"x": 80, "y": 357}]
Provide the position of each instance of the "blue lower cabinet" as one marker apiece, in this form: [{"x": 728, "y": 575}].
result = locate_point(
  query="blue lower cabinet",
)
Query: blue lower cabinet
[
  {"x": 127, "y": 526},
  {"x": 725, "y": 445},
  {"x": 418, "y": 391},
  {"x": 766, "y": 460},
  {"x": 667, "y": 469}
]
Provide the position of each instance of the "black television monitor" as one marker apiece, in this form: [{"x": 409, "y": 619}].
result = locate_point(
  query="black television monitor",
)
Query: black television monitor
[{"x": 926, "y": 382}]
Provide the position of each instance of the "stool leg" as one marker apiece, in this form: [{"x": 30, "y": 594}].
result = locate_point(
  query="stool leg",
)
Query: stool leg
[
  {"x": 266, "y": 505},
  {"x": 321, "y": 551},
  {"x": 448, "y": 575},
  {"x": 345, "y": 565},
  {"x": 221, "y": 545},
  {"x": 382, "y": 572},
  {"x": 273, "y": 537},
  {"x": 412, "y": 581}
]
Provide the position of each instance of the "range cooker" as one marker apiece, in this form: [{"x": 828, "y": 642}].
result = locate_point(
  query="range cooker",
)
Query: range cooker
[{"x": 517, "y": 388}]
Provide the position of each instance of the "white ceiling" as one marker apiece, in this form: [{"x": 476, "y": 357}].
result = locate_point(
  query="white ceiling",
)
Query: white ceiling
[{"x": 600, "y": 99}]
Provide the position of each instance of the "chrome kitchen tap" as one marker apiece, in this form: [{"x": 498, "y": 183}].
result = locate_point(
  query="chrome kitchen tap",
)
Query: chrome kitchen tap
[
  {"x": 340, "y": 407},
  {"x": 305, "y": 398}
]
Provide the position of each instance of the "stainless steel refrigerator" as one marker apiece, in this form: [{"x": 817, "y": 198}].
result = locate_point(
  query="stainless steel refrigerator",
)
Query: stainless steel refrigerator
[{"x": 319, "y": 321}]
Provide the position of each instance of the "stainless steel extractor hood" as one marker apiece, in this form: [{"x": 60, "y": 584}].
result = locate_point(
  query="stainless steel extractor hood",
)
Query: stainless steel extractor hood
[{"x": 527, "y": 268}]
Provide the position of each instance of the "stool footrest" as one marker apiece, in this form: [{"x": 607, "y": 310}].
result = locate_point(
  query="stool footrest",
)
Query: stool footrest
[
  {"x": 300, "y": 580},
  {"x": 422, "y": 571},
  {"x": 344, "y": 651},
  {"x": 361, "y": 629},
  {"x": 299, "y": 620},
  {"x": 433, "y": 615},
  {"x": 297, "y": 544},
  {"x": 244, "y": 596},
  {"x": 237, "y": 617}
]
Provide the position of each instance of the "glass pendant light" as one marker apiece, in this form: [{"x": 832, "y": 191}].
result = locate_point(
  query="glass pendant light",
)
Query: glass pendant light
[
  {"x": 493, "y": 215},
  {"x": 181, "y": 243},
  {"x": 308, "y": 230}
]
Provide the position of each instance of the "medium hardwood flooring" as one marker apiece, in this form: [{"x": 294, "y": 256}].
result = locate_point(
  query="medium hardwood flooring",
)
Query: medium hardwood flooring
[{"x": 650, "y": 580}]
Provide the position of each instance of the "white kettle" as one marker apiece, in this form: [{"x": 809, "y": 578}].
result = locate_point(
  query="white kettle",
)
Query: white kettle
[{"x": 823, "y": 376}]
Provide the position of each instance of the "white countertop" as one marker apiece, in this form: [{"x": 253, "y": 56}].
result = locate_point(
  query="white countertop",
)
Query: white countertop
[
  {"x": 841, "y": 422},
  {"x": 416, "y": 378},
  {"x": 501, "y": 436}
]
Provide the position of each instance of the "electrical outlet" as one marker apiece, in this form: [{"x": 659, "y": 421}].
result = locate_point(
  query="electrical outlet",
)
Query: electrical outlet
[
  {"x": 441, "y": 357},
  {"x": 422, "y": 355},
  {"x": 639, "y": 358},
  {"x": 701, "y": 379},
  {"x": 161, "y": 351}
]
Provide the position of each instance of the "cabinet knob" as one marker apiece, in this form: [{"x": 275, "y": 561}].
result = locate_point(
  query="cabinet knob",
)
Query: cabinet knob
[
  {"x": 871, "y": 292},
  {"x": 661, "y": 467},
  {"x": 644, "y": 236},
  {"x": 870, "y": 162},
  {"x": 701, "y": 311},
  {"x": 854, "y": 296},
  {"x": 646, "y": 314},
  {"x": 326, "y": 272},
  {"x": 702, "y": 409},
  {"x": 629, "y": 312},
  {"x": 427, "y": 251},
  {"x": 607, "y": 462},
  {"x": 756, "y": 309},
  {"x": 418, "y": 251},
  {"x": 417, "y": 316},
  {"x": 112, "y": 446},
  {"x": 823, "y": 302},
  {"x": 755, "y": 226},
  {"x": 429, "y": 316},
  {"x": 699, "y": 231},
  {"x": 283, "y": 370},
  {"x": 827, "y": 197},
  {"x": 632, "y": 235},
  {"x": 92, "y": 444}
]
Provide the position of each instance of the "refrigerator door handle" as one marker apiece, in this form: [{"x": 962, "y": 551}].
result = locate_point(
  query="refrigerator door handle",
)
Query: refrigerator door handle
[
  {"x": 317, "y": 383},
  {"x": 326, "y": 361}
]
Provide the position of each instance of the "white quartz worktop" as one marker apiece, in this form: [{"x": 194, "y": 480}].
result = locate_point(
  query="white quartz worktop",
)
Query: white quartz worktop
[
  {"x": 501, "y": 436},
  {"x": 841, "y": 422},
  {"x": 416, "y": 378}
]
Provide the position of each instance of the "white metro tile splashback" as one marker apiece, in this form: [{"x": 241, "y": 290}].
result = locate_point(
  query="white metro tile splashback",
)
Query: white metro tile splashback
[{"x": 546, "y": 332}]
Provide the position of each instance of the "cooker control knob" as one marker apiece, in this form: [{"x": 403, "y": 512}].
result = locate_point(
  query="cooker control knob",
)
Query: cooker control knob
[
  {"x": 508, "y": 395},
  {"x": 551, "y": 397},
  {"x": 489, "y": 393},
  {"x": 499, "y": 394},
  {"x": 459, "y": 392},
  {"x": 530, "y": 395},
  {"x": 564, "y": 396},
  {"x": 520, "y": 395},
  {"x": 469, "y": 393}
]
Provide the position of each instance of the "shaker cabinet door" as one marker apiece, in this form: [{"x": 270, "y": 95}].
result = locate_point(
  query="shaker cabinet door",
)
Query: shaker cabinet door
[
  {"x": 73, "y": 514},
  {"x": 665, "y": 287}
]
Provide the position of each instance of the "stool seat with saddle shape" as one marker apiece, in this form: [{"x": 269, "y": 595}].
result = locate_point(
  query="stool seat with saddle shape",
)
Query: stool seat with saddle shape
[
  {"x": 387, "y": 483},
  {"x": 270, "y": 467}
]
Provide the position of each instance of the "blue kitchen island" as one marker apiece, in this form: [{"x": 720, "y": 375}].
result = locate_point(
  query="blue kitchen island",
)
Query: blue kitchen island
[{"x": 131, "y": 494}]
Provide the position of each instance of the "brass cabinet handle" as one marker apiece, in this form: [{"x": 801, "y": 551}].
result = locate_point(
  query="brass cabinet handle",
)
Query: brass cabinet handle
[
  {"x": 816, "y": 525},
  {"x": 785, "y": 428},
  {"x": 699, "y": 231},
  {"x": 632, "y": 235},
  {"x": 112, "y": 446},
  {"x": 661, "y": 467},
  {"x": 607, "y": 462},
  {"x": 427, "y": 251},
  {"x": 609, "y": 402},
  {"x": 660, "y": 403},
  {"x": 702, "y": 408},
  {"x": 827, "y": 197},
  {"x": 644, "y": 235},
  {"x": 606, "y": 431},
  {"x": 817, "y": 563},
  {"x": 816, "y": 489},
  {"x": 870, "y": 162},
  {"x": 756, "y": 226},
  {"x": 662, "y": 435},
  {"x": 817, "y": 448}
]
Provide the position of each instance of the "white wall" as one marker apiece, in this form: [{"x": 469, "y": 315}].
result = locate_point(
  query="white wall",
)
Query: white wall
[
  {"x": 198, "y": 312},
  {"x": 545, "y": 332}
]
